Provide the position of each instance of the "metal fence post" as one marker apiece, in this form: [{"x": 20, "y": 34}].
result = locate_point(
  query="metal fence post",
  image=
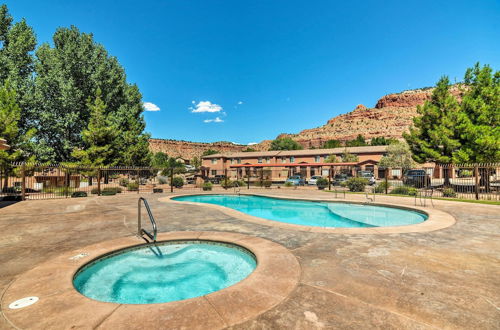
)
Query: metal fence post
[
  {"x": 98, "y": 182},
  {"x": 386, "y": 181},
  {"x": 23, "y": 182},
  {"x": 476, "y": 183},
  {"x": 248, "y": 177},
  {"x": 330, "y": 170}
]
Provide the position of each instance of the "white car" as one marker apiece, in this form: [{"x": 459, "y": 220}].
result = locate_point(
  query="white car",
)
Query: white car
[{"x": 312, "y": 181}]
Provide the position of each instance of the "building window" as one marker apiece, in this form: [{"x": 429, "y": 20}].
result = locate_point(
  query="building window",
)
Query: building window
[
  {"x": 260, "y": 160},
  {"x": 232, "y": 161},
  {"x": 214, "y": 160},
  {"x": 317, "y": 159},
  {"x": 268, "y": 160},
  {"x": 283, "y": 159},
  {"x": 239, "y": 160},
  {"x": 292, "y": 159},
  {"x": 214, "y": 172}
]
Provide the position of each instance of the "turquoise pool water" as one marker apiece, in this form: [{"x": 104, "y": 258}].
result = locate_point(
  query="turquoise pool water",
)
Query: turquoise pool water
[
  {"x": 309, "y": 213},
  {"x": 166, "y": 272}
]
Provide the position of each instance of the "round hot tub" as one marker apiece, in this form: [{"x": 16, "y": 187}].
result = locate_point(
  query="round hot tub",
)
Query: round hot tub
[{"x": 163, "y": 272}]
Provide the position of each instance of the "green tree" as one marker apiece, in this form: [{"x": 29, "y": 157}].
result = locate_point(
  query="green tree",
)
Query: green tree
[
  {"x": 382, "y": 141},
  {"x": 479, "y": 119},
  {"x": 347, "y": 157},
  {"x": 67, "y": 75},
  {"x": 330, "y": 144},
  {"x": 285, "y": 143},
  {"x": 10, "y": 114},
  {"x": 434, "y": 136},
  {"x": 398, "y": 156},
  {"x": 99, "y": 138},
  {"x": 18, "y": 42},
  {"x": 173, "y": 166},
  {"x": 248, "y": 149},
  {"x": 359, "y": 141},
  {"x": 196, "y": 162},
  {"x": 159, "y": 160},
  {"x": 209, "y": 152},
  {"x": 331, "y": 159}
]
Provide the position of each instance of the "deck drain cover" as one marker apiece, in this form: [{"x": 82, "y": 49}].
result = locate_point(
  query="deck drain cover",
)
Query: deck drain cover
[{"x": 23, "y": 302}]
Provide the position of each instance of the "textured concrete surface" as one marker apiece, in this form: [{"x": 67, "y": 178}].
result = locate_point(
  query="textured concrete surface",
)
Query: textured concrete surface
[{"x": 447, "y": 278}]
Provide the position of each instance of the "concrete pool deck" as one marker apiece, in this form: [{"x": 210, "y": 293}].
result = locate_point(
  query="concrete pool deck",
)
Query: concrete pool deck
[{"x": 447, "y": 278}]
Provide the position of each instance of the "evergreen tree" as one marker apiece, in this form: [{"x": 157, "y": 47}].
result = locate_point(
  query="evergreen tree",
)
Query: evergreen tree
[
  {"x": 347, "y": 157},
  {"x": 359, "y": 141},
  {"x": 99, "y": 138},
  {"x": 331, "y": 159},
  {"x": 159, "y": 160},
  {"x": 10, "y": 114},
  {"x": 330, "y": 144},
  {"x": 434, "y": 136},
  {"x": 382, "y": 141},
  {"x": 479, "y": 120},
  {"x": 209, "y": 152},
  {"x": 285, "y": 143}
]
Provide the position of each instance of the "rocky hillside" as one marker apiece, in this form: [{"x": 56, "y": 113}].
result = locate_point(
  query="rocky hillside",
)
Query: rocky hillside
[
  {"x": 391, "y": 116},
  {"x": 187, "y": 150}
]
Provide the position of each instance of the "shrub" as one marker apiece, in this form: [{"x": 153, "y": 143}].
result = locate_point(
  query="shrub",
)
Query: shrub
[
  {"x": 449, "y": 192},
  {"x": 157, "y": 190},
  {"x": 116, "y": 190},
  {"x": 132, "y": 186},
  {"x": 79, "y": 194},
  {"x": 177, "y": 182},
  {"x": 267, "y": 183},
  {"x": 108, "y": 192},
  {"x": 240, "y": 183},
  {"x": 288, "y": 184},
  {"x": 123, "y": 182},
  {"x": 226, "y": 184},
  {"x": 381, "y": 187},
  {"x": 404, "y": 190},
  {"x": 63, "y": 191},
  {"x": 207, "y": 186},
  {"x": 94, "y": 191},
  {"x": 162, "y": 180},
  {"x": 322, "y": 183},
  {"x": 356, "y": 184}
]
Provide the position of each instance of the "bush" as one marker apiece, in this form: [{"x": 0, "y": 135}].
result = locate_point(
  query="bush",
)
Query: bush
[
  {"x": 226, "y": 184},
  {"x": 64, "y": 191},
  {"x": 79, "y": 194},
  {"x": 267, "y": 183},
  {"x": 116, "y": 190},
  {"x": 132, "y": 186},
  {"x": 177, "y": 182},
  {"x": 289, "y": 184},
  {"x": 322, "y": 183},
  {"x": 108, "y": 192},
  {"x": 240, "y": 183},
  {"x": 94, "y": 191},
  {"x": 381, "y": 187},
  {"x": 356, "y": 184},
  {"x": 207, "y": 186},
  {"x": 404, "y": 190},
  {"x": 162, "y": 180},
  {"x": 157, "y": 190},
  {"x": 123, "y": 182},
  {"x": 449, "y": 192}
]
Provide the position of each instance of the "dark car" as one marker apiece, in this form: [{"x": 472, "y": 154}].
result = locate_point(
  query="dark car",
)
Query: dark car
[
  {"x": 416, "y": 178},
  {"x": 216, "y": 179}
]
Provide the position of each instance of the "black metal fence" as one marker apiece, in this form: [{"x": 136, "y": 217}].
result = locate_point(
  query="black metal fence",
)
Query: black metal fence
[{"x": 464, "y": 181}]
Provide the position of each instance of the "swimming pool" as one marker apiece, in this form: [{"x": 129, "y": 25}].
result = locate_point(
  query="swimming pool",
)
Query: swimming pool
[
  {"x": 310, "y": 213},
  {"x": 167, "y": 271}
]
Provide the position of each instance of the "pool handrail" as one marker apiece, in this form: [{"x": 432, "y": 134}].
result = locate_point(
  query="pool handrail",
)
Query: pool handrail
[{"x": 140, "y": 230}]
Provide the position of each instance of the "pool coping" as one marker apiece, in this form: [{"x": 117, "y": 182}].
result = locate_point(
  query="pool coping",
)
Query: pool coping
[
  {"x": 273, "y": 280},
  {"x": 436, "y": 220}
]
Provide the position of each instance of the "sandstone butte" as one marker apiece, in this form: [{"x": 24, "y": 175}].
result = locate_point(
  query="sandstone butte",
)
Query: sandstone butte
[{"x": 391, "y": 116}]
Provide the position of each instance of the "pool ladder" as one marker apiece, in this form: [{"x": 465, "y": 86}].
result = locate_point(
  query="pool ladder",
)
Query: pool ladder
[
  {"x": 141, "y": 231},
  {"x": 236, "y": 186}
]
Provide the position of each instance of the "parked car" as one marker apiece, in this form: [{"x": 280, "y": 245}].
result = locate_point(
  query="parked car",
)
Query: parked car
[
  {"x": 312, "y": 181},
  {"x": 416, "y": 178},
  {"x": 339, "y": 178},
  {"x": 216, "y": 179},
  {"x": 367, "y": 175},
  {"x": 297, "y": 180}
]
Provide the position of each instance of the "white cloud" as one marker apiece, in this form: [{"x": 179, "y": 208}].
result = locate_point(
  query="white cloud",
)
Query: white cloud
[
  {"x": 240, "y": 102},
  {"x": 206, "y": 106},
  {"x": 215, "y": 120},
  {"x": 148, "y": 106},
  {"x": 251, "y": 143}
]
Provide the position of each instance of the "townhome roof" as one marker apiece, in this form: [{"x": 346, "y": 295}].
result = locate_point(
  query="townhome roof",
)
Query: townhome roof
[{"x": 304, "y": 152}]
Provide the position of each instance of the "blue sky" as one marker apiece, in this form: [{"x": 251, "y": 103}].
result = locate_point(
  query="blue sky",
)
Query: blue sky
[{"x": 243, "y": 71}]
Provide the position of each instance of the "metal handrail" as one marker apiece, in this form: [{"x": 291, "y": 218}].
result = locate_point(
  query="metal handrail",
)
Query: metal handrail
[
  {"x": 140, "y": 230},
  {"x": 236, "y": 187}
]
